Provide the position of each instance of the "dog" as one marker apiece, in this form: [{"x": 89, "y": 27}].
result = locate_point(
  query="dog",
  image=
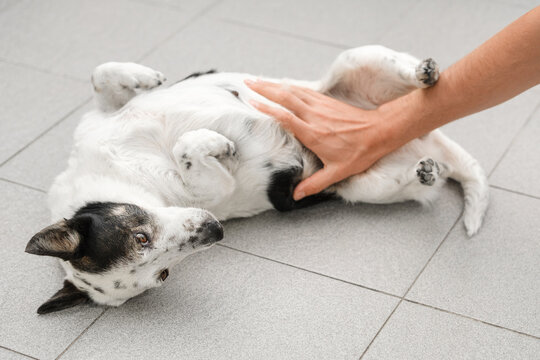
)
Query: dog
[{"x": 154, "y": 169}]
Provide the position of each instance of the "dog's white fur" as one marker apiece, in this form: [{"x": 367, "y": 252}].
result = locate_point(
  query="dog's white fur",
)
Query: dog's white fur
[{"x": 200, "y": 144}]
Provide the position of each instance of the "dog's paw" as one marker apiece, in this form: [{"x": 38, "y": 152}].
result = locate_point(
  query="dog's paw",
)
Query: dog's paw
[
  {"x": 127, "y": 76},
  {"x": 427, "y": 72},
  {"x": 427, "y": 171},
  {"x": 195, "y": 145}
]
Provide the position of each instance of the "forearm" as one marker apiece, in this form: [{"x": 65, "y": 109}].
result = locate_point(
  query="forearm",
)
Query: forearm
[{"x": 501, "y": 68}]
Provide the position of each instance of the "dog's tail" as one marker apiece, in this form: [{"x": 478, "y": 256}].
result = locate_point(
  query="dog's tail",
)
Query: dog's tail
[{"x": 462, "y": 167}]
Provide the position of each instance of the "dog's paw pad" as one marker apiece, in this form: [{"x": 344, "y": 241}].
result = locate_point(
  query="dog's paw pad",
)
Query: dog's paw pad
[
  {"x": 427, "y": 171},
  {"x": 427, "y": 72}
]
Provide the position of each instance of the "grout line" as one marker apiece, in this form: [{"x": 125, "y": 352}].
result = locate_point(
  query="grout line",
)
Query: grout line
[
  {"x": 471, "y": 318},
  {"x": 17, "y": 352},
  {"x": 191, "y": 20},
  {"x": 311, "y": 271},
  {"x": 45, "y": 71},
  {"x": 285, "y": 33},
  {"x": 514, "y": 191},
  {"x": 23, "y": 185},
  {"x": 47, "y": 130},
  {"x": 380, "y": 329},
  {"x": 82, "y": 333},
  {"x": 412, "y": 284},
  {"x": 514, "y": 139}
]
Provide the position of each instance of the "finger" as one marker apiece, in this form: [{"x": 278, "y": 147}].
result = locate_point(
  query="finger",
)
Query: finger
[
  {"x": 315, "y": 183},
  {"x": 288, "y": 120},
  {"x": 279, "y": 94}
]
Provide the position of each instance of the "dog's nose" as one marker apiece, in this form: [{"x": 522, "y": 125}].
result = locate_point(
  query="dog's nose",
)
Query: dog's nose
[{"x": 212, "y": 231}]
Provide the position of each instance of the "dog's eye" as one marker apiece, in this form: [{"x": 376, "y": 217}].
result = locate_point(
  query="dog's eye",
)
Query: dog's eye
[{"x": 143, "y": 240}]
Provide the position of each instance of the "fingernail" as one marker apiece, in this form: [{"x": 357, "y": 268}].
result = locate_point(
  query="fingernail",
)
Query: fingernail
[
  {"x": 299, "y": 195},
  {"x": 249, "y": 82},
  {"x": 254, "y": 103}
]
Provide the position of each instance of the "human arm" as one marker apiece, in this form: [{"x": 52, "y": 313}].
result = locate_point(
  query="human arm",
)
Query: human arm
[{"x": 348, "y": 140}]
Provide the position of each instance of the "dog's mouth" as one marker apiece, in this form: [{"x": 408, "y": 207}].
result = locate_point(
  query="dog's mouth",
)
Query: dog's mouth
[{"x": 164, "y": 275}]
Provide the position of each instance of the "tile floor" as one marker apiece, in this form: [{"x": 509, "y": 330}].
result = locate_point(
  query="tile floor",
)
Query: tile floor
[{"x": 328, "y": 282}]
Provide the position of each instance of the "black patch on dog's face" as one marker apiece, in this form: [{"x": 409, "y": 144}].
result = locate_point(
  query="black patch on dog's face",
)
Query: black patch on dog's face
[
  {"x": 110, "y": 236},
  {"x": 98, "y": 236}
]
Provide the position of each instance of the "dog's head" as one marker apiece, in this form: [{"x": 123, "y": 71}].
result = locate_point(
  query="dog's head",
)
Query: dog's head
[{"x": 113, "y": 251}]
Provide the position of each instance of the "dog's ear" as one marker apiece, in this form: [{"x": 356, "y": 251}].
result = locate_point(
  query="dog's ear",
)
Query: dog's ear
[
  {"x": 62, "y": 239},
  {"x": 64, "y": 298}
]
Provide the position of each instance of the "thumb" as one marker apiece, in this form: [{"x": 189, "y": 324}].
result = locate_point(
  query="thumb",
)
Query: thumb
[{"x": 315, "y": 183}]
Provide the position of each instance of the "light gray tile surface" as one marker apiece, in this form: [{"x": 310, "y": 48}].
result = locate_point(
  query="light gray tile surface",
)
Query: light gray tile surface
[
  {"x": 348, "y": 23},
  {"x": 29, "y": 280},
  {"x": 519, "y": 170},
  {"x": 183, "y": 5},
  {"x": 31, "y": 101},
  {"x": 10, "y": 355},
  {"x": 42, "y": 161},
  {"x": 238, "y": 49},
  {"x": 223, "y": 304},
  {"x": 417, "y": 332},
  {"x": 487, "y": 135},
  {"x": 494, "y": 276},
  {"x": 378, "y": 246},
  {"x": 448, "y": 30},
  {"x": 87, "y": 33}
]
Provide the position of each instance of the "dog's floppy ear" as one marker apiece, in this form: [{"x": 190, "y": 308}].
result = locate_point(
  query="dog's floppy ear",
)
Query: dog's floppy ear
[
  {"x": 62, "y": 239},
  {"x": 64, "y": 298}
]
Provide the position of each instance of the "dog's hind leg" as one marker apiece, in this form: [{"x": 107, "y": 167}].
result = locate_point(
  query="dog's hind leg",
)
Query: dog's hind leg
[
  {"x": 369, "y": 76},
  {"x": 116, "y": 83},
  {"x": 206, "y": 162}
]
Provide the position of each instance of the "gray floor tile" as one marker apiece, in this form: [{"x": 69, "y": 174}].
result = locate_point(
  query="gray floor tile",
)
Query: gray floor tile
[
  {"x": 32, "y": 279},
  {"x": 184, "y": 5},
  {"x": 10, "y": 355},
  {"x": 378, "y": 246},
  {"x": 5, "y": 4},
  {"x": 72, "y": 37},
  {"x": 448, "y": 30},
  {"x": 223, "y": 304},
  {"x": 519, "y": 170},
  {"x": 494, "y": 276},
  {"x": 487, "y": 135},
  {"x": 213, "y": 44},
  {"x": 349, "y": 23},
  {"x": 42, "y": 161},
  {"x": 417, "y": 332},
  {"x": 31, "y": 101}
]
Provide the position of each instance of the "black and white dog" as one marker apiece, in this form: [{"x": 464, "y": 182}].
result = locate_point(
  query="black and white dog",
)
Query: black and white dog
[{"x": 149, "y": 160}]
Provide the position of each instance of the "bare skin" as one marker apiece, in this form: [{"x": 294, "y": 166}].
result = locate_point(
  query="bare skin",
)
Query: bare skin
[{"x": 348, "y": 140}]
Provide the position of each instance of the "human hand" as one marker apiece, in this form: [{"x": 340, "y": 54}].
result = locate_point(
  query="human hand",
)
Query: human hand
[{"x": 347, "y": 140}]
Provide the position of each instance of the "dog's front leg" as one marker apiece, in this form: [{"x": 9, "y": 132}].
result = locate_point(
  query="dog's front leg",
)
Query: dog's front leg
[
  {"x": 116, "y": 83},
  {"x": 207, "y": 162}
]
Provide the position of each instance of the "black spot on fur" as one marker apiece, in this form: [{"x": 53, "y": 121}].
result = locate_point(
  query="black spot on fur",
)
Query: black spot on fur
[
  {"x": 132, "y": 271},
  {"x": 188, "y": 165},
  {"x": 135, "y": 284},
  {"x": 86, "y": 282},
  {"x": 118, "y": 285},
  {"x": 281, "y": 188},
  {"x": 197, "y": 74},
  {"x": 98, "y": 289}
]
